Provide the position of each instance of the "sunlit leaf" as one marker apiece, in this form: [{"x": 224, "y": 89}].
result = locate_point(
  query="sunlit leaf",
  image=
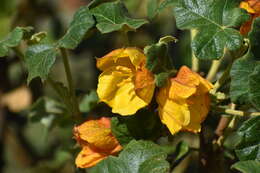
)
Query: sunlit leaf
[
  {"x": 113, "y": 16},
  {"x": 137, "y": 157},
  {"x": 82, "y": 22},
  {"x": 215, "y": 21},
  {"x": 250, "y": 166},
  {"x": 39, "y": 60},
  {"x": 13, "y": 39}
]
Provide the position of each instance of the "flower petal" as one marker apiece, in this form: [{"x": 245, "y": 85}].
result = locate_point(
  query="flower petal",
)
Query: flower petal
[
  {"x": 247, "y": 7},
  {"x": 125, "y": 101},
  {"x": 180, "y": 91},
  {"x": 108, "y": 80},
  {"x": 144, "y": 84},
  {"x": 136, "y": 56},
  {"x": 97, "y": 135},
  {"x": 88, "y": 158},
  {"x": 175, "y": 110},
  {"x": 118, "y": 57}
]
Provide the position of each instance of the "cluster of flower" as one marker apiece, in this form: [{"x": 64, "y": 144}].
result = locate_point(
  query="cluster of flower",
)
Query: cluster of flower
[{"x": 127, "y": 86}]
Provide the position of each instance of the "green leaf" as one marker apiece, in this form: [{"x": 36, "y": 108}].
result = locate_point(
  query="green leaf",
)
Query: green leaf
[
  {"x": 89, "y": 102},
  {"x": 245, "y": 78},
  {"x": 250, "y": 166},
  {"x": 137, "y": 157},
  {"x": 254, "y": 87},
  {"x": 157, "y": 56},
  {"x": 214, "y": 20},
  {"x": 39, "y": 59},
  {"x": 152, "y": 8},
  {"x": 121, "y": 131},
  {"x": 254, "y": 37},
  {"x": 13, "y": 39},
  {"x": 45, "y": 110},
  {"x": 113, "y": 16},
  {"x": 37, "y": 38},
  {"x": 249, "y": 146},
  {"x": 144, "y": 125},
  {"x": 240, "y": 72},
  {"x": 82, "y": 22},
  {"x": 161, "y": 79},
  {"x": 182, "y": 150},
  {"x": 95, "y": 3}
]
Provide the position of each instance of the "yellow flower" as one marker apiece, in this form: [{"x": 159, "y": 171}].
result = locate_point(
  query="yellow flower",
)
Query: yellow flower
[
  {"x": 184, "y": 103},
  {"x": 253, "y": 8},
  {"x": 125, "y": 84},
  {"x": 97, "y": 142}
]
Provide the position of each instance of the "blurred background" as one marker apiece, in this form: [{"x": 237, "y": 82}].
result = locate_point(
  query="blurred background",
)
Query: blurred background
[{"x": 28, "y": 145}]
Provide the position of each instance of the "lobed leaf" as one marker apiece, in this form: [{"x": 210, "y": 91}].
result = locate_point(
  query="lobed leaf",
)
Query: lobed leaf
[
  {"x": 89, "y": 102},
  {"x": 250, "y": 166},
  {"x": 249, "y": 145},
  {"x": 13, "y": 39},
  {"x": 39, "y": 59},
  {"x": 113, "y": 16},
  {"x": 245, "y": 78},
  {"x": 214, "y": 20},
  {"x": 137, "y": 157},
  {"x": 82, "y": 22},
  {"x": 144, "y": 125}
]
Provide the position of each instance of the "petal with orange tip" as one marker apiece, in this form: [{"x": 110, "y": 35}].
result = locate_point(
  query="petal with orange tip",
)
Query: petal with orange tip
[{"x": 88, "y": 158}]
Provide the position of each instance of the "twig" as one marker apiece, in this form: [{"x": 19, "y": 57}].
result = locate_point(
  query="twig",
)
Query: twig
[
  {"x": 236, "y": 112},
  {"x": 70, "y": 80},
  {"x": 195, "y": 61},
  {"x": 214, "y": 69}
]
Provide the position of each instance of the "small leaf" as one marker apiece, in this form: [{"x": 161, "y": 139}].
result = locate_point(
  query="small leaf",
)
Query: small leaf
[
  {"x": 39, "y": 59},
  {"x": 249, "y": 146},
  {"x": 214, "y": 20},
  {"x": 120, "y": 131},
  {"x": 250, "y": 166},
  {"x": 113, "y": 16},
  {"x": 161, "y": 79},
  {"x": 37, "y": 38},
  {"x": 82, "y": 22},
  {"x": 157, "y": 56},
  {"x": 167, "y": 39},
  {"x": 89, "y": 102},
  {"x": 144, "y": 125},
  {"x": 137, "y": 157},
  {"x": 45, "y": 107},
  {"x": 13, "y": 39},
  {"x": 254, "y": 37},
  {"x": 182, "y": 150}
]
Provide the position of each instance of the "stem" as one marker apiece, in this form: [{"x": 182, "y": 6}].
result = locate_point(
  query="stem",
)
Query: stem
[
  {"x": 125, "y": 38},
  {"x": 195, "y": 61},
  {"x": 225, "y": 76},
  {"x": 19, "y": 53},
  {"x": 69, "y": 79},
  {"x": 223, "y": 123},
  {"x": 237, "y": 112},
  {"x": 214, "y": 69}
]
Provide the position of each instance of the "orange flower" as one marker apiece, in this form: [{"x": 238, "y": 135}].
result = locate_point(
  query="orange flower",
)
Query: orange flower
[
  {"x": 253, "y": 8},
  {"x": 97, "y": 142},
  {"x": 184, "y": 103}
]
